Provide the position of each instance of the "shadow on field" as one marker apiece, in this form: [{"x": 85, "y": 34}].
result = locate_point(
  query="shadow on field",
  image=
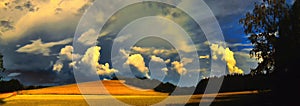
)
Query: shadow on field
[
  {"x": 261, "y": 99},
  {"x": 1, "y": 102}
]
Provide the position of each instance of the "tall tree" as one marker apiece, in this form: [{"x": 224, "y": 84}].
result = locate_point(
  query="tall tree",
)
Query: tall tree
[
  {"x": 274, "y": 30},
  {"x": 2, "y": 69},
  {"x": 287, "y": 54},
  {"x": 262, "y": 28}
]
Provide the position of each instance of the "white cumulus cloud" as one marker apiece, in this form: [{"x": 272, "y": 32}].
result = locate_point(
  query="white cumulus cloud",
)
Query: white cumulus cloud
[
  {"x": 66, "y": 54},
  {"x": 157, "y": 59},
  {"x": 138, "y": 62},
  {"x": 58, "y": 66},
  {"x": 87, "y": 62},
  {"x": 226, "y": 55},
  {"x": 91, "y": 58},
  {"x": 179, "y": 67}
]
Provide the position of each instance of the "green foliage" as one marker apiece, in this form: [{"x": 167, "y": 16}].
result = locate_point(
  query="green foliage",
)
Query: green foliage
[{"x": 262, "y": 28}]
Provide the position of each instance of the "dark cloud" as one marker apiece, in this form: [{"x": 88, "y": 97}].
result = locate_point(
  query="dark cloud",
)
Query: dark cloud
[
  {"x": 21, "y": 5},
  {"x": 15, "y": 60},
  {"x": 6, "y": 25},
  {"x": 58, "y": 10},
  {"x": 16, "y": 1},
  {"x": 19, "y": 8},
  {"x": 43, "y": 77},
  {"x": 82, "y": 9},
  {"x": 48, "y": 32}
]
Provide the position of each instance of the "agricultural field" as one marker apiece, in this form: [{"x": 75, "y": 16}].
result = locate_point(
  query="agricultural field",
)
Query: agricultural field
[{"x": 119, "y": 94}]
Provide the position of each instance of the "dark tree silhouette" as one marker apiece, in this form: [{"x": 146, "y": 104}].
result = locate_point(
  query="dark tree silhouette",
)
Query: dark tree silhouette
[
  {"x": 287, "y": 55},
  {"x": 2, "y": 69},
  {"x": 262, "y": 25},
  {"x": 273, "y": 27},
  {"x": 10, "y": 86}
]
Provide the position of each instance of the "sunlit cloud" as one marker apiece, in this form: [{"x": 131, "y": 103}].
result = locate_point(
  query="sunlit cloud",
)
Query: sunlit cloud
[
  {"x": 179, "y": 67},
  {"x": 165, "y": 69},
  {"x": 153, "y": 51},
  {"x": 105, "y": 69},
  {"x": 38, "y": 47},
  {"x": 138, "y": 62},
  {"x": 88, "y": 62},
  {"x": 142, "y": 50},
  {"x": 91, "y": 58},
  {"x": 89, "y": 37},
  {"x": 225, "y": 54},
  {"x": 27, "y": 15},
  {"x": 58, "y": 66},
  {"x": 57, "y": 19},
  {"x": 204, "y": 57},
  {"x": 66, "y": 54},
  {"x": 73, "y": 64},
  {"x": 124, "y": 53},
  {"x": 157, "y": 59},
  {"x": 168, "y": 61}
]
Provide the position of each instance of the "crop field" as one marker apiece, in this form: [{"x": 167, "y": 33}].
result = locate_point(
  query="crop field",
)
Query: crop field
[{"x": 117, "y": 93}]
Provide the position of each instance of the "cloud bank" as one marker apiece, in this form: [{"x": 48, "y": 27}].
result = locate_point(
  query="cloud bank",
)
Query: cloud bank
[
  {"x": 89, "y": 62},
  {"x": 27, "y": 15}
]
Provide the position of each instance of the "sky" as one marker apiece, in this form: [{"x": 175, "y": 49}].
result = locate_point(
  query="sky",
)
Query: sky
[{"x": 36, "y": 40}]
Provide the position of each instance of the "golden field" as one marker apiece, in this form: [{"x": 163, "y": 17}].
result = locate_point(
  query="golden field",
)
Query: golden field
[{"x": 118, "y": 94}]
